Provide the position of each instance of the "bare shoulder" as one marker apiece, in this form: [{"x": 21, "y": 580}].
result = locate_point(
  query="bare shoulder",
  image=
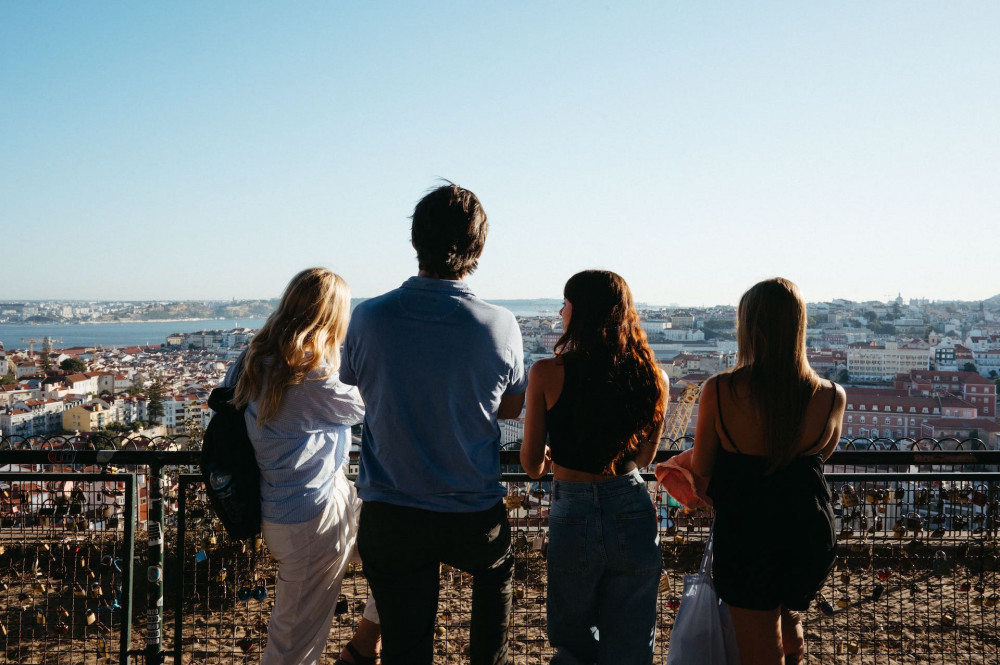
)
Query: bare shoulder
[
  {"x": 830, "y": 391},
  {"x": 545, "y": 369}
]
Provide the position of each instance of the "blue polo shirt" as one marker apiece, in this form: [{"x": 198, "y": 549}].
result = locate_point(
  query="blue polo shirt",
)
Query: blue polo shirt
[{"x": 432, "y": 362}]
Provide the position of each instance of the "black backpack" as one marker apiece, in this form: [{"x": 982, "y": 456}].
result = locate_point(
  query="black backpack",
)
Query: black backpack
[{"x": 229, "y": 466}]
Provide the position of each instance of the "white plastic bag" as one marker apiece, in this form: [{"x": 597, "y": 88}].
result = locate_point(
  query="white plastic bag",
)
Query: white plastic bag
[{"x": 703, "y": 631}]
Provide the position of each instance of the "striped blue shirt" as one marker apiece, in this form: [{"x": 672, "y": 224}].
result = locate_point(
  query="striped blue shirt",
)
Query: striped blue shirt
[{"x": 301, "y": 448}]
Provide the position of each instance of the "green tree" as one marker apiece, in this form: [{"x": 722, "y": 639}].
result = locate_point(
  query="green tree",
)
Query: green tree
[
  {"x": 73, "y": 365},
  {"x": 46, "y": 359},
  {"x": 844, "y": 376},
  {"x": 9, "y": 377},
  {"x": 968, "y": 367},
  {"x": 154, "y": 409}
]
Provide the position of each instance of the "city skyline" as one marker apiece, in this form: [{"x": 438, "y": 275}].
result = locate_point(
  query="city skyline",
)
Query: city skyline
[{"x": 191, "y": 151}]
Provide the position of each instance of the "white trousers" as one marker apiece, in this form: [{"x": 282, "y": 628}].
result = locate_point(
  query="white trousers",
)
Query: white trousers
[{"x": 312, "y": 559}]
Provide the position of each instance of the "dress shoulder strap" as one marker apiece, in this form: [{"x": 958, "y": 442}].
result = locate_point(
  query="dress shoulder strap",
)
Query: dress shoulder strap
[{"x": 722, "y": 421}]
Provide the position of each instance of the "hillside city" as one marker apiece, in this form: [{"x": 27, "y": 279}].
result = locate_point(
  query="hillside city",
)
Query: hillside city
[{"x": 912, "y": 369}]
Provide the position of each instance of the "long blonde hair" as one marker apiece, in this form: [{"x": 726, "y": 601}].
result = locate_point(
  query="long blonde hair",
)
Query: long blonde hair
[
  {"x": 771, "y": 334},
  {"x": 307, "y": 328}
]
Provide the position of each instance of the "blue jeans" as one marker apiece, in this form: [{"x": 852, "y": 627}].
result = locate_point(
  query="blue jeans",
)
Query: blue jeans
[{"x": 604, "y": 565}]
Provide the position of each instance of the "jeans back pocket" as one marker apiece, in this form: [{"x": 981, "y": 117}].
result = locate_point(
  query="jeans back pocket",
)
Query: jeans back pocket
[{"x": 567, "y": 544}]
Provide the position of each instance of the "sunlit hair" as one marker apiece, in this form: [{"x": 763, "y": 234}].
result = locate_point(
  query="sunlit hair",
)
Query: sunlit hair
[
  {"x": 617, "y": 369},
  {"x": 449, "y": 231},
  {"x": 308, "y": 326},
  {"x": 771, "y": 333}
]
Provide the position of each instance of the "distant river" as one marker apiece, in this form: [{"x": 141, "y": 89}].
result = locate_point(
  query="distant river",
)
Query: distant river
[
  {"x": 111, "y": 334},
  {"x": 154, "y": 334}
]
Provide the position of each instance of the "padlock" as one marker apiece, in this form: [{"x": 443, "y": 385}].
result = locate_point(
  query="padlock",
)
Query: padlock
[
  {"x": 899, "y": 494},
  {"x": 446, "y": 615},
  {"x": 663, "y": 586},
  {"x": 246, "y": 645},
  {"x": 244, "y": 594},
  {"x": 839, "y": 646},
  {"x": 883, "y": 496},
  {"x": 221, "y": 575},
  {"x": 61, "y": 627},
  {"x": 538, "y": 543},
  {"x": 63, "y": 612},
  {"x": 519, "y": 592},
  {"x": 520, "y": 541},
  {"x": 824, "y": 605},
  {"x": 923, "y": 496},
  {"x": 979, "y": 496},
  {"x": 948, "y": 619},
  {"x": 341, "y": 607},
  {"x": 211, "y": 542},
  {"x": 200, "y": 557},
  {"x": 39, "y": 587},
  {"x": 849, "y": 497},
  {"x": 95, "y": 590},
  {"x": 673, "y": 603},
  {"x": 884, "y": 573},
  {"x": 513, "y": 501},
  {"x": 965, "y": 586},
  {"x": 680, "y": 539},
  {"x": 980, "y": 587},
  {"x": 843, "y": 601},
  {"x": 853, "y": 647},
  {"x": 260, "y": 591},
  {"x": 877, "y": 591},
  {"x": 991, "y": 600},
  {"x": 90, "y": 617},
  {"x": 961, "y": 497},
  {"x": 938, "y": 532},
  {"x": 913, "y": 522},
  {"x": 39, "y": 618},
  {"x": 845, "y": 577},
  {"x": 439, "y": 631},
  {"x": 846, "y": 532},
  {"x": 942, "y": 565},
  {"x": 871, "y": 496},
  {"x": 977, "y": 600}
]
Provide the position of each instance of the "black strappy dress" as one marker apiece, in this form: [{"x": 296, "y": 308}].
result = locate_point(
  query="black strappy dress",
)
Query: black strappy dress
[{"x": 775, "y": 542}]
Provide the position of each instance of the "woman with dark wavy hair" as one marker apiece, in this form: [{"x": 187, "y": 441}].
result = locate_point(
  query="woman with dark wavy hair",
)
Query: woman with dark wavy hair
[
  {"x": 765, "y": 429},
  {"x": 600, "y": 402}
]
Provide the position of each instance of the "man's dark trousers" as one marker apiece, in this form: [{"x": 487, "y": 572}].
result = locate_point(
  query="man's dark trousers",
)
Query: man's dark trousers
[{"x": 402, "y": 549}]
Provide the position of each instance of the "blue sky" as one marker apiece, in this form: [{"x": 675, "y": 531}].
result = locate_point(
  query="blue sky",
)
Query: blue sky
[{"x": 211, "y": 150}]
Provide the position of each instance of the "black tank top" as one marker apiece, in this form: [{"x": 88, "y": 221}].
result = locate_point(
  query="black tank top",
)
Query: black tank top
[{"x": 567, "y": 451}]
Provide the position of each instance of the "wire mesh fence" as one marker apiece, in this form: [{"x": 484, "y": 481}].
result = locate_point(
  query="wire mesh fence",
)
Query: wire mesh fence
[{"x": 915, "y": 579}]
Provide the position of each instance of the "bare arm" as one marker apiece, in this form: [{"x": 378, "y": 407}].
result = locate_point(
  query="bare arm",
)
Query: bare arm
[
  {"x": 837, "y": 415},
  {"x": 706, "y": 438},
  {"x": 647, "y": 450},
  {"x": 510, "y": 406},
  {"x": 534, "y": 458}
]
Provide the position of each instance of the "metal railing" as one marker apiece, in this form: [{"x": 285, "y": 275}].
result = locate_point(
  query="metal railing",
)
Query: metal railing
[{"x": 916, "y": 577}]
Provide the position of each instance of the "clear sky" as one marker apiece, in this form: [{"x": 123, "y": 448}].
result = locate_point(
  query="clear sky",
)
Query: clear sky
[{"x": 184, "y": 150}]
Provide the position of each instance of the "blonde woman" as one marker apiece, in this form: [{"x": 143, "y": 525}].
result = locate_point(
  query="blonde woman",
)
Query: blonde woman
[
  {"x": 299, "y": 418},
  {"x": 764, "y": 430}
]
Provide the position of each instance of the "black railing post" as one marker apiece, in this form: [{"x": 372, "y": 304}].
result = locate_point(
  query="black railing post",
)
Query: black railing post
[
  {"x": 127, "y": 577},
  {"x": 177, "y": 583},
  {"x": 154, "y": 573}
]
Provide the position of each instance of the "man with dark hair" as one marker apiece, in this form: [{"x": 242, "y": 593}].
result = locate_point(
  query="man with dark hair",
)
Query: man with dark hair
[{"x": 436, "y": 367}]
